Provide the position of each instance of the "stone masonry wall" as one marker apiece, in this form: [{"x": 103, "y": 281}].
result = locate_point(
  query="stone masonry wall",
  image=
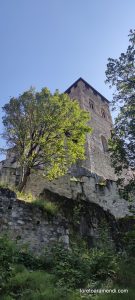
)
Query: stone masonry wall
[
  {"x": 78, "y": 183},
  {"x": 84, "y": 185},
  {"x": 97, "y": 161},
  {"x": 29, "y": 224}
]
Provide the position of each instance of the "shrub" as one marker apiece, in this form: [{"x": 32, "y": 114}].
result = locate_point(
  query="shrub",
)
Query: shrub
[
  {"x": 8, "y": 259},
  {"x": 36, "y": 285},
  {"x": 103, "y": 264},
  {"x": 27, "y": 197},
  {"x": 76, "y": 267},
  {"x": 129, "y": 242},
  {"x": 59, "y": 272},
  {"x": 46, "y": 206},
  {"x": 32, "y": 285}
]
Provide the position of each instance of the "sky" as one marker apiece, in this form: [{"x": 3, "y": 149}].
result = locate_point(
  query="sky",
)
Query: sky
[{"x": 51, "y": 43}]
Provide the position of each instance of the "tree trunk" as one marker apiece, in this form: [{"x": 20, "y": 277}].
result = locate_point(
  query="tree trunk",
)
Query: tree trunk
[{"x": 24, "y": 179}]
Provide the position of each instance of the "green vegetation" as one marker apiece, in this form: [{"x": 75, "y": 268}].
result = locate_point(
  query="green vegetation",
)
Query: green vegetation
[
  {"x": 46, "y": 206},
  {"x": 120, "y": 74},
  {"x": 45, "y": 130},
  {"x": 60, "y": 273},
  {"x": 27, "y": 197}
]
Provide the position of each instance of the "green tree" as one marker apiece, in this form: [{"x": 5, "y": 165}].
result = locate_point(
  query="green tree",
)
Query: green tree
[
  {"x": 45, "y": 130},
  {"x": 120, "y": 73}
]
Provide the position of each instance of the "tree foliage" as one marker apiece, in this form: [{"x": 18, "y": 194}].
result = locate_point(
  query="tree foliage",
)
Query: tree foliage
[
  {"x": 120, "y": 73},
  {"x": 45, "y": 130}
]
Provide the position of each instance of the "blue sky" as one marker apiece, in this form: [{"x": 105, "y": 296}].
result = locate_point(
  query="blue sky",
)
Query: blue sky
[{"x": 54, "y": 42}]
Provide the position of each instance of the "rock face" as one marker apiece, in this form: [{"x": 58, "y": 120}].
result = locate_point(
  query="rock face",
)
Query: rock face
[
  {"x": 82, "y": 184},
  {"x": 78, "y": 183},
  {"x": 28, "y": 224}
]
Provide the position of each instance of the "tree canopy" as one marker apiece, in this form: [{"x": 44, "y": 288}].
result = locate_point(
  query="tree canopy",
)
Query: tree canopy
[
  {"x": 120, "y": 73},
  {"x": 46, "y": 130}
]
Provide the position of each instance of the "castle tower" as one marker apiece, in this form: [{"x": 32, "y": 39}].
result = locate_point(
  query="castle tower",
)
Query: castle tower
[{"x": 97, "y": 156}]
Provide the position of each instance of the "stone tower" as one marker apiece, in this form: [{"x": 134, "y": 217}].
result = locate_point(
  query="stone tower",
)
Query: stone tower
[{"x": 97, "y": 156}]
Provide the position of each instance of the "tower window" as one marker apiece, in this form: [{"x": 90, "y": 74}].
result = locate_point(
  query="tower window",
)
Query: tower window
[
  {"x": 91, "y": 104},
  {"x": 104, "y": 144},
  {"x": 103, "y": 113}
]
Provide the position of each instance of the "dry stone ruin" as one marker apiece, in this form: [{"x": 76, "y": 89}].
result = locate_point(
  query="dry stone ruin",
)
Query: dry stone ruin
[{"x": 92, "y": 181}]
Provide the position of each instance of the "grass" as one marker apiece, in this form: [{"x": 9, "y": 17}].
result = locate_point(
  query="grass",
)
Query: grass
[
  {"x": 35, "y": 285},
  {"x": 28, "y": 197},
  {"x": 25, "y": 276},
  {"x": 44, "y": 204}
]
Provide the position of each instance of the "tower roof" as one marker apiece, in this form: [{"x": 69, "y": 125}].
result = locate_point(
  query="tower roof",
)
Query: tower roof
[{"x": 89, "y": 86}]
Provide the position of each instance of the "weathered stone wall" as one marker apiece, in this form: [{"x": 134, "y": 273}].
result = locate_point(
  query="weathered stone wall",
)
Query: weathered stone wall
[
  {"x": 78, "y": 183},
  {"x": 98, "y": 161},
  {"x": 9, "y": 170},
  {"x": 82, "y": 184},
  {"x": 87, "y": 185},
  {"x": 29, "y": 224}
]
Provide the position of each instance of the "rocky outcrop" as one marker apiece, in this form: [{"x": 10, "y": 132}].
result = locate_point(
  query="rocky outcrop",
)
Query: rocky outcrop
[
  {"x": 78, "y": 183},
  {"x": 84, "y": 185}
]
